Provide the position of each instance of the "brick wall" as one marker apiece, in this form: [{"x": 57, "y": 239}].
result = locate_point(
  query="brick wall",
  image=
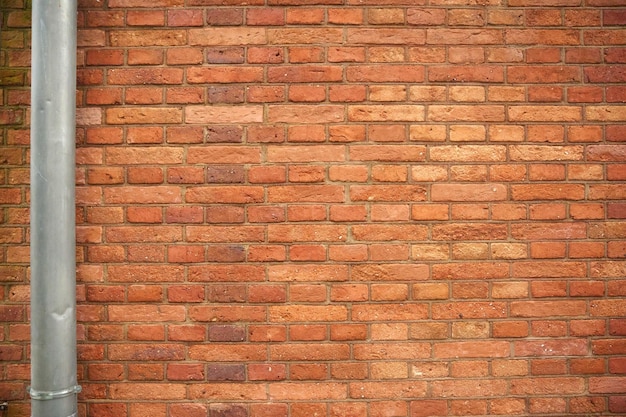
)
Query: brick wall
[{"x": 335, "y": 208}]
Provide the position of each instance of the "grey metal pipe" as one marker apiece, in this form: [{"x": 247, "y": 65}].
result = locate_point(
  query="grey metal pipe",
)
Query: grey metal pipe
[{"x": 54, "y": 385}]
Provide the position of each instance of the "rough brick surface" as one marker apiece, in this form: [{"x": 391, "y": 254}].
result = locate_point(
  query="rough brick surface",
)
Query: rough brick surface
[{"x": 336, "y": 208}]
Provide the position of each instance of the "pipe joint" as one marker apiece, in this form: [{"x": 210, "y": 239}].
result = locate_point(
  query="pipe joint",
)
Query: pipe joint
[{"x": 51, "y": 395}]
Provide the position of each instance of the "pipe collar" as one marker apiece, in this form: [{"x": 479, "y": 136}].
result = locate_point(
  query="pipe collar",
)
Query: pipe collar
[{"x": 51, "y": 395}]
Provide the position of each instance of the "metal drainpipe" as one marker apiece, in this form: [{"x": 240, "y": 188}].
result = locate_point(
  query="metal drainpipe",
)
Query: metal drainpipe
[{"x": 54, "y": 385}]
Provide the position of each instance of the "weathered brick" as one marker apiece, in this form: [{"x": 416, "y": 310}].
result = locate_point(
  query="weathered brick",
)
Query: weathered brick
[
  {"x": 380, "y": 113},
  {"x": 304, "y": 74},
  {"x": 454, "y": 208},
  {"x": 545, "y": 113},
  {"x": 289, "y": 36},
  {"x": 306, "y": 114},
  {"x": 386, "y": 36},
  {"x": 231, "y": 36},
  {"x": 203, "y": 114}
]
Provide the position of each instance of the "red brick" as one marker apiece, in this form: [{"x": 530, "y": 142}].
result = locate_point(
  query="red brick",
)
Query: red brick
[
  {"x": 265, "y": 134},
  {"x": 227, "y": 314},
  {"x": 182, "y": 95},
  {"x": 544, "y": 404},
  {"x": 185, "y": 254},
  {"x": 233, "y": 36},
  {"x": 346, "y": 93},
  {"x": 388, "y": 193},
  {"x": 305, "y": 16},
  {"x": 185, "y": 372},
  {"x": 143, "y": 115},
  {"x": 227, "y": 114},
  {"x": 423, "y": 408},
  {"x": 144, "y": 215},
  {"x": 386, "y": 252},
  {"x": 303, "y": 213},
  {"x": 142, "y": 175},
  {"x": 263, "y": 94},
  {"x": 267, "y": 333},
  {"x": 346, "y": 54},
  {"x": 267, "y": 294},
  {"x": 567, "y": 385},
  {"x": 145, "y": 293},
  {"x": 617, "y": 366},
  {"x": 606, "y": 385},
  {"x": 345, "y": 16},
  {"x": 179, "y": 293},
  {"x": 226, "y": 333},
  {"x": 430, "y": 291},
  {"x": 617, "y": 327},
  {"x": 347, "y": 370},
  {"x": 613, "y": 133},
  {"x": 307, "y": 74},
  {"x": 385, "y": 312},
  {"x": 104, "y": 96},
  {"x": 547, "y": 308},
  {"x": 266, "y": 372},
  {"x": 549, "y": 231},
  {"x": 223, "y": 214},
  {"x": 305, "y": 409},
  {"x": 225, "y": 273},
  {"x": 587, "y": 289},
  {"x": 307, "y": 93},
  {"x": 305, "y": 113},
  {"x": 348, "y": 332},
  {"x": 307, "y": 253},
  {"x": 145, "y": 18},
  {"x": 468, "y": 407},
  {"x": 308, "y": 332},
  {"x": 304, "y": 35},
  {"x": 223, "y": 17},
  {"x": 587, "y": 366},
  {"x": 303, "y": 174},
  {"x": 306, "y": 313},
  {"x": 147, "y": 57},
  {"x": 343, "y": 213},
  {"x": 471, "y": 349},
  {"x": 543, "y": 289},
  {"x": 587, "y": 404},
  {"x": 105, "y": 293},
  {"x": 184, "y": 18},
  {"x": 510, "y": 329},
  {"x": 349, "y": 292},
  {"x": 224, "y": 194},
  {"x": 187, "y": 333},
  {"x": 298, "y": 391},
  {"x": 224, "y": 55},
  {"x": 225, "y": 94},
  {"x": 389, "y": 272},
  {"x": 260, "y": 55},
  {"x": 266, "y": 253},
  {"x": 306, "y": 233},
  {"x": 584, "y": 95},
  {"x": 545, "y": 250},
  {"x": 587, "y": 327},
  {"x": 465, "y": 388},
  {"x": 226, "y": 293},
  {"x": 551, "y": 348},
  {"x": 387, "y": 390},
  {"x": 267, "y": 410}
]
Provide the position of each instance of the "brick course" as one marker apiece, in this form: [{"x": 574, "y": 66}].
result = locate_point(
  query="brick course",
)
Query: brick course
[{"x": 297, "y": 208}]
